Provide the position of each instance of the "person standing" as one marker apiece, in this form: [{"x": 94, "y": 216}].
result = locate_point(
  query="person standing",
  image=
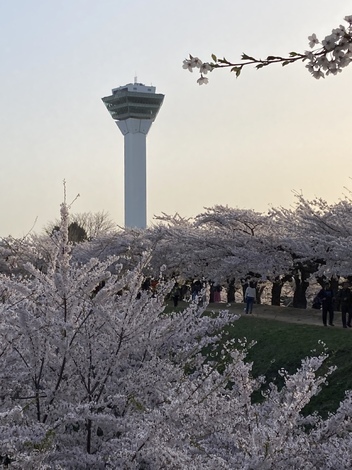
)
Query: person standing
[
  {"x": 196, "y": 288},
  {"x": 217, "y": 294},
  {"x": 345, "y": 298},
  {"x": 326, "y": 295},
  {"x": 175, "y": 294},
  {"x": 249, "y": 296}
]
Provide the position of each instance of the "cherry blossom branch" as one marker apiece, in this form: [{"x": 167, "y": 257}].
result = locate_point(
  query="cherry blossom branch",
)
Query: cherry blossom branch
[{"x": 334, "y": 54}]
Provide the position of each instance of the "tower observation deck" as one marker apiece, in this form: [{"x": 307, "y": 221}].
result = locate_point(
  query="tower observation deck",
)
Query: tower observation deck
[{"x": 134, "y": 108}]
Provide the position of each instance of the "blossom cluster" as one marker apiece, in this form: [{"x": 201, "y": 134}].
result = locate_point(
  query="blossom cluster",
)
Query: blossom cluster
[
  {"x": 204, "y": 68},
  {"x": 334, "y": 54}
]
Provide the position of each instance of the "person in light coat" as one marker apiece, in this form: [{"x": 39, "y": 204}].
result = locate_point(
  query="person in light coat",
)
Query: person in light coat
[{"x": 249, "y": 296}]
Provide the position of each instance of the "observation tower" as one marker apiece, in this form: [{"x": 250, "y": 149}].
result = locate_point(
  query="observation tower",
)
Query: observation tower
[{"x": 134, "y": 108}]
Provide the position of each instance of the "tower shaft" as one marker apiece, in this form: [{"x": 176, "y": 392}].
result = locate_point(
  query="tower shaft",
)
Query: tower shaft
[{"x": 135, "y": 143}]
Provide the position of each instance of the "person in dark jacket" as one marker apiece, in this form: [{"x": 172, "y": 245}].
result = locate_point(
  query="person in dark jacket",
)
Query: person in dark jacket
[
  {"x": 175, "y": 294},
  {"x": 326, "y": 295},
  {"x": 344, "y": 297}
]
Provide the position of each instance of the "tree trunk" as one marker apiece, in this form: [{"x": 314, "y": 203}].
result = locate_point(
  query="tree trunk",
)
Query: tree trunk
[
  {"x": 244, "y": 287},
  {"x": 89, "y": 435},
  {"x": 276, "y": 293},
  {"x": 259, "y": 291},
  {"x": 276, "y": 289},
  {"x": 231, "y": 291},
  {"x": 299, "y": 297}
]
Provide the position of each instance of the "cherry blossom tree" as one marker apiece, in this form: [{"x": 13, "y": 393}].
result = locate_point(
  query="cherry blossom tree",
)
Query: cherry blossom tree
[
  {"x": 327, "y": 57},
  {"x": 309, "y": 241},
  {"x": 226, "y": 244},
  {"x": 324, "y": 231},
  {"x": 85, "y": 349},
  {"x": 16, "y": 252},
  {"x": 95, "y": 374}
]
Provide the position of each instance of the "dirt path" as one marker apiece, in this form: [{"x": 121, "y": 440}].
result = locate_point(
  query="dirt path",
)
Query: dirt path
[{"x": 288, "y": 314}]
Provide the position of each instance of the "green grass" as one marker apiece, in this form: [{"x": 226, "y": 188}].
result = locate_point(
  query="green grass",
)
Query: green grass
[
  {"x": 284, "y": 345},
  {"x": 280, "y": 344}
]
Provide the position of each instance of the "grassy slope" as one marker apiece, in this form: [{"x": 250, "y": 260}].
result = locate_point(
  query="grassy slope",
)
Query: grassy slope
[
  {"x": 284, "y": 345},
  {"x": 281, "y": 344}
]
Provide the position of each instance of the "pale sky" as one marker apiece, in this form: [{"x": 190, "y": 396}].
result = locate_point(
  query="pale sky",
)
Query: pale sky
[{"x": 246, "y": 142}]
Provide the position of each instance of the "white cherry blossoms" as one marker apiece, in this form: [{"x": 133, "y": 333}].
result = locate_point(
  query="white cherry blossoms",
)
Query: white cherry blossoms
[
  {"x": 204, "y": 68},
  {"x": 333, "y": 54}
]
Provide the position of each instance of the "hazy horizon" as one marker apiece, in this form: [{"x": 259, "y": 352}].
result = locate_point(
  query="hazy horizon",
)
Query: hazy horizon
[{"x": 247, "y": 142}]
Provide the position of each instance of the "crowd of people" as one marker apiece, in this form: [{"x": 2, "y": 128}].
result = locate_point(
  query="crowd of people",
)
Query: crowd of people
[{"x": 328, "y": 300}]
